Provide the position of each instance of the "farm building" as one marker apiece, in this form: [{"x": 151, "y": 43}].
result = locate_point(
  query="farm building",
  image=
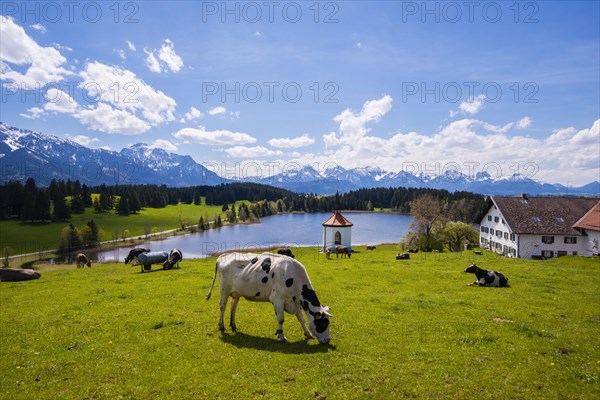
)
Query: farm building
[
  {"x": 337, "y": 231},
  {"x": 537, "y": 227},
  {"x": 589, "y": 225}
]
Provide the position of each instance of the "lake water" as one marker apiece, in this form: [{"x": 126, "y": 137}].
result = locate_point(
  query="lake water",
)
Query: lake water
[{"x": 282, "y": 230}]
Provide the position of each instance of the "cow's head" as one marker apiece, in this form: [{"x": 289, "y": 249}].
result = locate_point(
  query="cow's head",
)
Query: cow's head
[
  {"x": 318, "y": 315},
  {"x": 472, "y": 269}
]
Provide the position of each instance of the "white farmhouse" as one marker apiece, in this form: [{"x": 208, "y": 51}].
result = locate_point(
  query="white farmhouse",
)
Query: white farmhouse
[
  {"x": 589, "y": 225},
  {"x": 535, "y": 227},
  {"x": 337, "y": 231}
]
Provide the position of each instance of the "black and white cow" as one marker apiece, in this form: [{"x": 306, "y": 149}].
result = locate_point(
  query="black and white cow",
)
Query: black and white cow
[
  {"x": 271, "y": 277},
  {"x": 173, "y": 261},
  {"x": 487, "y": 278},
  {"x": 17, "y": 275},
  {"x": 286, "y": 252},
  {"x": 82, "y": 260},
  {"x": 134, "y": 253}
]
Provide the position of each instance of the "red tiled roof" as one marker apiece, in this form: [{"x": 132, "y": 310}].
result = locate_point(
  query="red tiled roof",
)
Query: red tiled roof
[
  {"x": 543, "y": 215},
  {"x": 591, "y": 220},
  {"x": 337, "y": 219}
]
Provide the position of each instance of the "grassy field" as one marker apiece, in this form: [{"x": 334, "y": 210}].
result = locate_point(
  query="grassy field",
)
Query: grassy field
[
  {"x": 24, "y": 237},
  {"x": 402, "y": 329}
]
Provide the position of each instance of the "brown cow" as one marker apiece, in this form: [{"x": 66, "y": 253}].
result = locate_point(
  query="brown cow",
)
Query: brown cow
[{"x": 343, "y": 250}]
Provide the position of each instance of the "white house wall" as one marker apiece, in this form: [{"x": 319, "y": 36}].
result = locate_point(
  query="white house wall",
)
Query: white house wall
[
  {"x": 501, "y": 240},
  {"x": 329, "y": 236},
  {"x": 591, "y": 243}
]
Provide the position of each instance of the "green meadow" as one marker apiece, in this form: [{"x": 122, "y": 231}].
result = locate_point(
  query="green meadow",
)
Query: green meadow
[
  {"x": 401, "y": 329},
  {"x": 25, "y": 237}
]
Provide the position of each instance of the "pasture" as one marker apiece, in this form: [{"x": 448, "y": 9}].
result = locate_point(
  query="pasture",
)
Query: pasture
[
  {"x": 401, "y": 329},
  {"x": 26, "y": 237}
]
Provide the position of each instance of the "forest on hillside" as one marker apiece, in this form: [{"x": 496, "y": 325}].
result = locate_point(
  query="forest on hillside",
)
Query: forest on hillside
[{"x": 61, "y": 199}]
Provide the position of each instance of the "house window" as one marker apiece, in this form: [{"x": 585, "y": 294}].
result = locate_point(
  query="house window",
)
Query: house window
[
  {"x": 503, "y": 221},
  {"x": 560, "y": 219},
  {"x": 547, "y": 254},
  {"x": 506, "y": 235},
  {"x": 537, "y": 219},
  {"x": 499, "y": 234},
  {"x": 338, "y": 237},
  {"x": 512, "y": 237},
  {"x": 570, "y": 239},
  {"x": 561, "y": 253},
  {"x": 574, "y": 253},
  {"x": 483, "y": 229},
  {"x": 489, "y": 217},
  {"x": 547, "y": 239},
  {"x": 496, "y": 219},
  {"x": 491, "y": 231},
  {"x": 487, "y": 230}
]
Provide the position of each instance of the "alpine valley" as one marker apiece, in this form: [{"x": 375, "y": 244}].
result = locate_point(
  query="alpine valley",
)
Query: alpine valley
[{"x": 44, "y": 157}]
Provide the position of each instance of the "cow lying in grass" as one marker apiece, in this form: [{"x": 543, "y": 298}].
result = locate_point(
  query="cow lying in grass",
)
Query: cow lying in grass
[
  {"x": 17, "y": 275},
  {"x": 279, "y": 279},
  {"x": 486, "y": 278}
]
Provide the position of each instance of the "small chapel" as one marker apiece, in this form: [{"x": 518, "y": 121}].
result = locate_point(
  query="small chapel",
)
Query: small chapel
[{"x": 337, "y": 231}]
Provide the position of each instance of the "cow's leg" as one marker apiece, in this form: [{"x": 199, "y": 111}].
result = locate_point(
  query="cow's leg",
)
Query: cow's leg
[
  {"x": 222, "y": 307},
  {"x": 234, "y": 303},
  {"x": 300, "y": 317},
  {"x": 278, "y": 304}
]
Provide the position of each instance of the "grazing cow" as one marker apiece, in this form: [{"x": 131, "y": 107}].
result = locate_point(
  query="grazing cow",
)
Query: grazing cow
[
  {"x": 403, "y": 256},
  {"x": 343, "y": 250},
  {"x": 82, "y": 260},
  {"x": 487, "y": 278},
  {"x": 271, "y": 277},
  {"x": 371, "y": 247},
  {"x": 413, "y": 250},
  {"x": 134, "y": 253},
  {"x": 173, "y": 261},
  {"x": 286, "y": 252},
  {"x": 17, "y": 275}
]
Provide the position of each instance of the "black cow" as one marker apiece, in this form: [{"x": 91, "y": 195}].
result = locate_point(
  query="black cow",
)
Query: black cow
[
  {"x": 174, "y": 257},
  {"x": 134, "y": 253},
  {"x": 371, "y": 247},
  {"x": 286, "y": 252},
  {"x": 487, "y": 278},
  {"x": 17, "y": 275},
  {"x": 403, "y": 256}
]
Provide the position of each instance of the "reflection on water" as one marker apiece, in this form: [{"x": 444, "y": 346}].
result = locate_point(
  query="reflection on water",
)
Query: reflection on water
[{"x": 284, "y": 230}]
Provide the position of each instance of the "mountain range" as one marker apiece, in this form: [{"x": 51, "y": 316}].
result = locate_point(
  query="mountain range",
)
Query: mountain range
[{"x": 44, "y": 157}]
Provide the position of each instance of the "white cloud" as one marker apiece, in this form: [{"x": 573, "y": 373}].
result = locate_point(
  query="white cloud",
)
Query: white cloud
[
  {"x": 218, "y": 137},
  {"x": 34, "y": 113},
  {"x": 353, "y": 125},
  {"x": 191, "y": 115},
  {"x": 167, "y": 56},
  {"x": 44, "y": 64},
  {"x": 84, "y": 140},
  {"x": 59, "y": 101},
  {"x": 294, "y": 143},
  {"x": 104, "y": 118},
  {"x": 39, "y": 27},
  {"x": 121, "y": 53},
  {"x": 524, "y": 123},
  {"x": 151, "y": 62},
  {"x": 130, "y": 45},
  {"x": 252, "y": 152},
  {"x": 125, "y": 91},
  {"x": 163, "y": 144},
  {"x": 473, "y": 105},
  {"x": 217, "y": 110}
]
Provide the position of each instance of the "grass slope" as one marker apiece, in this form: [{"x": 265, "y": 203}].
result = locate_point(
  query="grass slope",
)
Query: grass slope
[
  {"x": 24, "y": 237},
  {"x": 402, "y": 329}
]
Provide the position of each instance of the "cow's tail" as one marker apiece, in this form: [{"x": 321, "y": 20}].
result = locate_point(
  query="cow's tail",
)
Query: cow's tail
[{"x": 213, "y": 282}]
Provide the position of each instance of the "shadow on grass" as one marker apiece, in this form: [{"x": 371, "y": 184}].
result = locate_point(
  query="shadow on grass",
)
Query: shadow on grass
[{"x": 262, "y": 343}]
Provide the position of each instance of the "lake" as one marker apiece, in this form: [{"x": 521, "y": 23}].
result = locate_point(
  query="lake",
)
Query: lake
[{"x": 282, "y": 230}]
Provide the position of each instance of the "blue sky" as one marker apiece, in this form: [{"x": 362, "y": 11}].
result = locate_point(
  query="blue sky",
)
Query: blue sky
[{"x": 261, "y": 86}]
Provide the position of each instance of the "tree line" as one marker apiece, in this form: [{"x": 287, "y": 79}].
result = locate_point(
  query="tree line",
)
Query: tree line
[{"x": 61, "y": 199}]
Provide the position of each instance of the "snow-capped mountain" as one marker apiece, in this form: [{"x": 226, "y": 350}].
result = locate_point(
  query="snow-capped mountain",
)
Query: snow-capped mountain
[
  {"x": 333, "y": 179},
  {"x": 45, "y": 157},
  {"x": 25, "y": 154}
]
